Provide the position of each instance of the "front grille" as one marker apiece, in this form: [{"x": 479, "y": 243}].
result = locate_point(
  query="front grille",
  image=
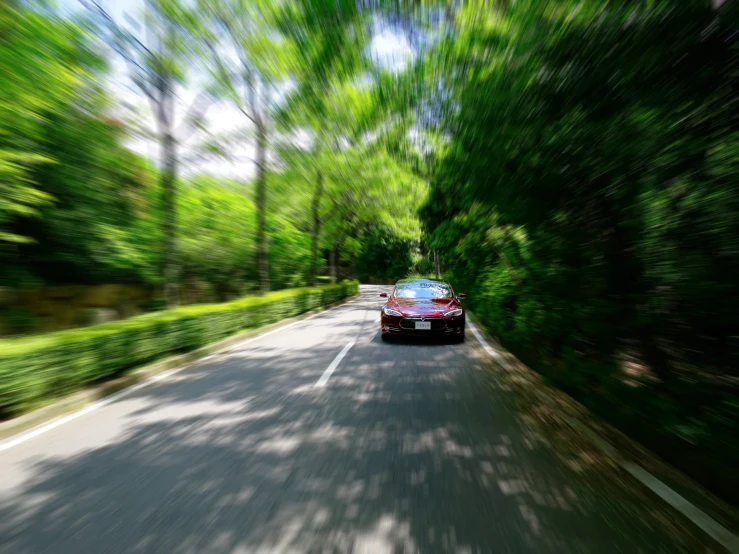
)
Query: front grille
[{"x": 409, "y": 323}]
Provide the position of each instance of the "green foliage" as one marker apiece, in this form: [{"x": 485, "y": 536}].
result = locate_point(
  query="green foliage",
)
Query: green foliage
[
  {"x": 40, "y": 368},
  {"x": 79, "y": 207},
  {"x": 43, "y": 61},
  {"x": 92, "y": 230},
  {"x": 216, "y": 242},
  {"x": 289, "y": 253},
  {"x": 383, "y": 256}
]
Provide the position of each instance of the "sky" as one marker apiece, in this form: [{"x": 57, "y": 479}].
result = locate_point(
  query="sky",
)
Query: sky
[{"x": 387, "y": 49}]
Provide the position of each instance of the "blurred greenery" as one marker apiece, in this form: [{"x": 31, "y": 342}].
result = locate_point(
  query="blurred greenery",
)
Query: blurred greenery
[
  {"x": 383, "y": 257},
  {"x": 574, "y": 164}
]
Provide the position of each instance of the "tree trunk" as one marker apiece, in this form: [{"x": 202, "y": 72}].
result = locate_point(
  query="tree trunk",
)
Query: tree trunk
[
  {"x": 333, "y": 262},
  {"x": 168, "y": 181},
  {"x": 261, "y": 204},
  {"x": 316, "y": 229},
  {"x": 436, "y": 263}
]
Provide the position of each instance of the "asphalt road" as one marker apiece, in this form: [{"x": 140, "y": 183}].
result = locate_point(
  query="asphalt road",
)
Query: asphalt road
[{"x": 408, "y": 447}]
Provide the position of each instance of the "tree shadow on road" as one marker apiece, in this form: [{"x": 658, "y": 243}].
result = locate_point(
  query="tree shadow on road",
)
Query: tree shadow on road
[{"x": 402, "y": 453}]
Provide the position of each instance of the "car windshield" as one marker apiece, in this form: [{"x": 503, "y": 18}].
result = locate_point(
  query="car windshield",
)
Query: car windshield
[{"x": 428, "y": 290}]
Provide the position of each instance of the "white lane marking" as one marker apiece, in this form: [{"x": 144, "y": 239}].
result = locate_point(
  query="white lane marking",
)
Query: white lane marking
[
  {"x": 377, "y": 320},
  {"x": 54, "y": 423},
  {"x": 701, "y": 519},
  {"x": 330, "y": 369}
]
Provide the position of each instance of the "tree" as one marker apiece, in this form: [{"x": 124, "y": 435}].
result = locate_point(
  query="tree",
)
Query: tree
[
  {"x": 328, "y": 40},
  {"x": 333, "y": 123},
  {"x": 157, "y": 62},
  {"x": 245, "y": 53}
]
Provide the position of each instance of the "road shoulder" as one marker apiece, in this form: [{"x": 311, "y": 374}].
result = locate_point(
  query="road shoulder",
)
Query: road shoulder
[{"x": 712, "y": 515}]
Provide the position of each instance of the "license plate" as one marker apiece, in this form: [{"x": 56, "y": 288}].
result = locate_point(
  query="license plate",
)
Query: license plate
[{"x": 423, "y": 325}]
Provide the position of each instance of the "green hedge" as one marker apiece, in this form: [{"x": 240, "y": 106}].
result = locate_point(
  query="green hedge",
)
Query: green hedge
[{"x": 37, "y": 369}]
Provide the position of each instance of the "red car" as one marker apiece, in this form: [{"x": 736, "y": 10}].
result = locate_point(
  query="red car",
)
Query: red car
[{"x": 423, "y": 307}]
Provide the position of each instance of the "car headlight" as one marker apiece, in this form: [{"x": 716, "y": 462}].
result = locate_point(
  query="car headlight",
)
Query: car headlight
[
  {"x": 454, "y": 313},
  {"x": 388, "y": 311}
]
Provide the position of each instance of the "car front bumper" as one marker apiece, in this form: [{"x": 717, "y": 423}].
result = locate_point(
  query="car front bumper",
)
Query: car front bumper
[{"x": 404, "y": 326}]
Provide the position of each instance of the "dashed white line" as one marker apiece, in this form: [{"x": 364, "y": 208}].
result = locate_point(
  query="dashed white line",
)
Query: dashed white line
[
  {"x": 330, "y": 369},
  {"x": 705, "y": 522}
]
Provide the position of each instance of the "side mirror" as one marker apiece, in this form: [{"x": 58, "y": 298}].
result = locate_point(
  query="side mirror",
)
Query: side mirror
[
  {"x": 461, "y": 296},
  {"x": 383, "y": 295}
]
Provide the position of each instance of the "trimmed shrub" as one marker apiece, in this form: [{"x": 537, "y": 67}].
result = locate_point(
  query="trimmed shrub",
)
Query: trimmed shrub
[{"x": 40, "y": 368}]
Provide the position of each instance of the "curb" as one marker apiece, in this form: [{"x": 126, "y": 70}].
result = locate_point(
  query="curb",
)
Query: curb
[{"x": 85, "y": 398}]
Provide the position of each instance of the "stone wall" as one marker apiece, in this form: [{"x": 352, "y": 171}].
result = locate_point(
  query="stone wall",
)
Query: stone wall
[{"x": 63, "y": 307}]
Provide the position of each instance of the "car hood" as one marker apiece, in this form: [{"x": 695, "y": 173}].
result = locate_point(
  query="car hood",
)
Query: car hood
[{"x": 423, "y": 307}]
